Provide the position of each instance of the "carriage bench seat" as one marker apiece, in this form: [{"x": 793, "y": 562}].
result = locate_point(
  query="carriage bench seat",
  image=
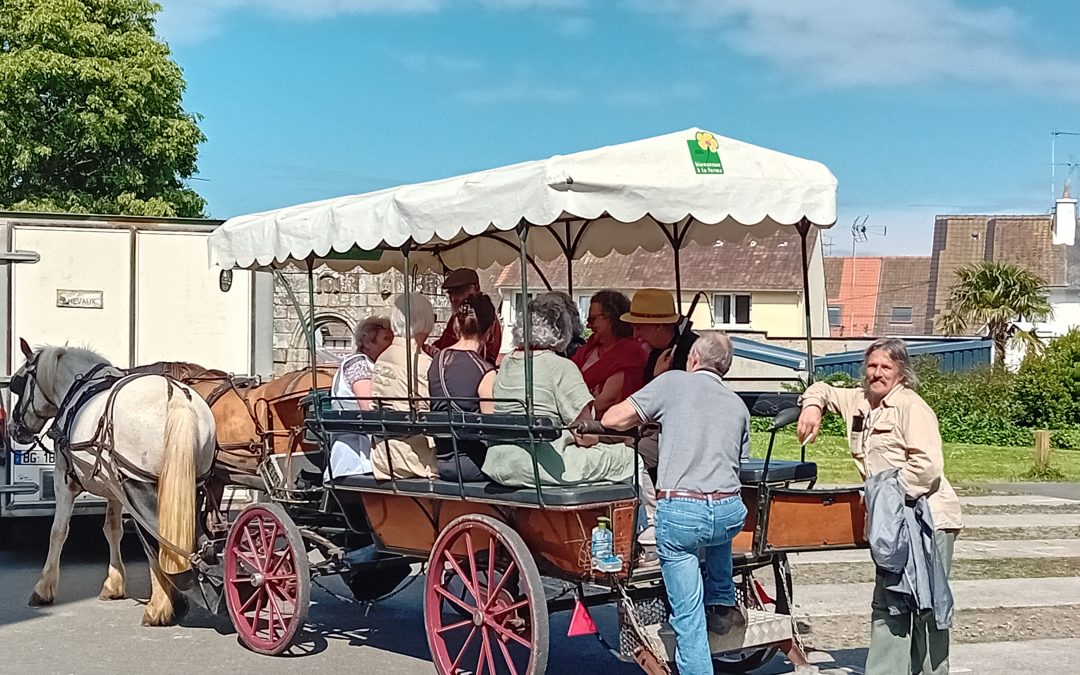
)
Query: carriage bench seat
[
  {"x": 576, "y": 495},
  {"x": 780, "y": 471},
  {"x": 465, "y": 426}
]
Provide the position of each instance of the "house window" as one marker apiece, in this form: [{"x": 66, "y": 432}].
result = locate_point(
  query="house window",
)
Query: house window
[
  {"x": 583, "y": 303},
  {"x": 333, "y": 337},
  {"x": 901, "y": 315},
  {"x": 519, "y": 305},
  {"x": 731, "y": 310},
  {"x": 834, "y": 315}
]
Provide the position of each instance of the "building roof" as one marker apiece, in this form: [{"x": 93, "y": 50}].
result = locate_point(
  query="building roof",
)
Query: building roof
[
  {"x": 757, "y": 263},
  {"x": 868, "y": 288},
  {"x": 1023, "y": 240}
]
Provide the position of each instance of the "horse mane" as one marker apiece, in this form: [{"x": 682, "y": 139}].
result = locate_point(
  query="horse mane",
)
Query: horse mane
[{"x": 48, "y": 363}]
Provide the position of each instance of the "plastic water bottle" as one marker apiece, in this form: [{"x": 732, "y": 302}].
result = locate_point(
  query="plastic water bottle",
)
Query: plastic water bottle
[{"x": 603, "y": 547}]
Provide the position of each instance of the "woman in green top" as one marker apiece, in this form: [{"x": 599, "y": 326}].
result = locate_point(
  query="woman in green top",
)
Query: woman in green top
[{"x": 560, "y": 392}]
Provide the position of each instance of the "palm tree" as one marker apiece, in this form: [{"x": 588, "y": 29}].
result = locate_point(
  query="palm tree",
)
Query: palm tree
[{"x": 996, "y": 295}]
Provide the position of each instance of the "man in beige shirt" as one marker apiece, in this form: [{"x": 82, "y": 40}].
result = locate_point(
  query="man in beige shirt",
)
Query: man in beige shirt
[{"x": 891, "y": 426}]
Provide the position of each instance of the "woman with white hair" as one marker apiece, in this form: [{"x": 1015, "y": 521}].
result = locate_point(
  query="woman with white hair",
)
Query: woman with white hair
[
  {"x": 558, "y": 391},
  {"x": 412, "y": 457}
]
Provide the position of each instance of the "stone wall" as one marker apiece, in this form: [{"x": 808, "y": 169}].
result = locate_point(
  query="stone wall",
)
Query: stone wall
[{"x": 342, "y": 300}]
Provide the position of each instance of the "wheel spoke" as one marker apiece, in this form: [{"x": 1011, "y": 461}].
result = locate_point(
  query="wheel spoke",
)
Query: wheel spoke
[
  {"x": 506, "y": 657},
  {"x": 488, "y": 654},
  {"x": 480, "y": 601},
  {"x": 510, "y": 569},
  {"x": 464, "y": 648},
  {"x": 243, "y": 608},
  {"x": 267, "y": 549},
  {"x": 251, "y": 545},
  {"x": 509, "y": 634},
  {"x": 509, "y": 608},
  {"x": 258, "y": 612},
  {"x": 453, "y": 626},
  {"x": 455, "y": 599},
  {"x": 461, "y": 573}
]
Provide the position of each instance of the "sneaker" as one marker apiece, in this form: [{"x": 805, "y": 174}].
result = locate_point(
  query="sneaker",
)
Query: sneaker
[{"x": 722, "y": 619}]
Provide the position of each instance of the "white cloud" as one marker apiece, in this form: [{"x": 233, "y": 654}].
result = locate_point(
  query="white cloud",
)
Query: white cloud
[
  {"x": 193, "y": 20},
  {"x": 881, "y": 42}
]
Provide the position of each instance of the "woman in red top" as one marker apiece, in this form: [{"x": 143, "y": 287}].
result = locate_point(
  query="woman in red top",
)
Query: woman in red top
[{"x": 612, "y": 361}]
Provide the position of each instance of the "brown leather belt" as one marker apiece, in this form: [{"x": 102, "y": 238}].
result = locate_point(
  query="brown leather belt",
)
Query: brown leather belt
[{"x": 693, "y": 494}]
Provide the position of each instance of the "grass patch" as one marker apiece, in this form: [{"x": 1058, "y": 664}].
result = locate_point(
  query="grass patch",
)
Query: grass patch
[{"x": 964, "y": 463}]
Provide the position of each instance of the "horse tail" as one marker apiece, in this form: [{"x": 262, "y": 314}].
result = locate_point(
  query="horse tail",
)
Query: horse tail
[{"x": 176, "y": 485}]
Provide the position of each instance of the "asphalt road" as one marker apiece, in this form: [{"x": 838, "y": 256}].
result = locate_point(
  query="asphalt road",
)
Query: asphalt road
[{"x": 81, "y": 634}]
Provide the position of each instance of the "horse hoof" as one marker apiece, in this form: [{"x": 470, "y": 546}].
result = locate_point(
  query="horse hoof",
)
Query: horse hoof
[
  {"x": 38, "y": 601},
  {"x": 155, "y": 621},
  {"x": 111, "y": 595}
]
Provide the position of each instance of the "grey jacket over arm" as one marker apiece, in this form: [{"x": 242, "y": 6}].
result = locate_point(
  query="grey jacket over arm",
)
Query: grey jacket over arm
[{"x": 901, "y": 534}]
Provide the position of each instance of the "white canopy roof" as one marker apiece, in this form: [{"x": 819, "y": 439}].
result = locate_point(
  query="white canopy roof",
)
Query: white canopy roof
[{"x": 622, "y": 197}]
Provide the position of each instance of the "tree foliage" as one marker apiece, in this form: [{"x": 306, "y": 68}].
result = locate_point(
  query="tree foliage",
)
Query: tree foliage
[
  {"x": 996, "y": 295},
  {"x": 1048, "y": 384},
  {"x": 91, "y": 116}
]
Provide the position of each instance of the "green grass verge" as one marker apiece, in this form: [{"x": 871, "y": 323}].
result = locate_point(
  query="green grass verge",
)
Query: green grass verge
[{"x": 963, "y": 463}]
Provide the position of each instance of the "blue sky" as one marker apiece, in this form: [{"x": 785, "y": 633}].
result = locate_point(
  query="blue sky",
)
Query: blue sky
[{"x": 918, "y": 106}]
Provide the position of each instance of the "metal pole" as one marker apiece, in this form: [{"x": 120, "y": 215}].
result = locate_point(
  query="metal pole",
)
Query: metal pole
[
  {"x": 526, "y": 320},
  {"x": 804, "y": 230},
  {"x": 408, "y": 333},
  {"x": 568, "y": 250},
  {"x": 310, "y": 323}
]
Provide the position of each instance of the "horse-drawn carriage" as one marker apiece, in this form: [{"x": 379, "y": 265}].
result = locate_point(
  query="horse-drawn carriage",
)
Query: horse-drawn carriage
[{"x": 488, "y": 549}]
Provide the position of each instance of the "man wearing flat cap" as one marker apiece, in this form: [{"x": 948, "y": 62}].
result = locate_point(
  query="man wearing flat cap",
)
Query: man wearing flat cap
[{"x": 458, "y": 285}]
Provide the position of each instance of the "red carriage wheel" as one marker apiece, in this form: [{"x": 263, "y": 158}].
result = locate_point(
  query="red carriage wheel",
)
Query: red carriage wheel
[
  {"x": 267, "y": 582},
  {"x": 499, "y": 625}
]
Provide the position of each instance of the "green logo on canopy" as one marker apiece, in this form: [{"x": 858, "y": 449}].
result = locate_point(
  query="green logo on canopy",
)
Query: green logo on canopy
[{"x": 703, "y": 153}]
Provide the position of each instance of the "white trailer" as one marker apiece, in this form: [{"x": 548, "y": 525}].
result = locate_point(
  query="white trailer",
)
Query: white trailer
[{"x": 135, "y": 289}]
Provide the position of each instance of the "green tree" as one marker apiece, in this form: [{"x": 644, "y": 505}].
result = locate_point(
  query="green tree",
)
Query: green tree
[
  {"x": 996, "y": 295},
  {"x": 91, "y": 116}
]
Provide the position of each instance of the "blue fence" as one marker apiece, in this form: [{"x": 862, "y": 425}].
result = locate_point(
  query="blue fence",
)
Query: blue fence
[{"x": 953, "y": 355}]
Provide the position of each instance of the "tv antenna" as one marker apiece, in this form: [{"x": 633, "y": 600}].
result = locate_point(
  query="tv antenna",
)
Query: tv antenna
[
  {"x": 860, "y": 232},
  {"x": 1053, "y": 162}
]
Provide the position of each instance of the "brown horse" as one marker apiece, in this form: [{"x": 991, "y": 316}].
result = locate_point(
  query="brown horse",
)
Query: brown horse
[{"x": 253, "y": 419}]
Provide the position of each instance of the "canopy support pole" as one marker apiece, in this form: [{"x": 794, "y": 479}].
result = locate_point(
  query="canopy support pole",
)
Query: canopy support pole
[
  {"x": 569, "y": 253},
  {"x": 310, "y": 327},
  {"x": 526, "y": 319},
  {"x": 405, "y": 250},
  {"x": 677, "y": 238},
  {"x": 804, "y": 230}
]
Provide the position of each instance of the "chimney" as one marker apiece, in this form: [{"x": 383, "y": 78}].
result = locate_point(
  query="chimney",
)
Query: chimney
[{"x": 1065, "y": 219}]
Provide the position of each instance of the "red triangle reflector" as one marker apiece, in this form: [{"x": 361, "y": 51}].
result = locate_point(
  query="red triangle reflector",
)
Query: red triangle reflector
[{"x": 581, "y": 622}]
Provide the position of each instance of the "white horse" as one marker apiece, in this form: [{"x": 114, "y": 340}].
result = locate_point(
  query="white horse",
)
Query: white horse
[{"x": 160, "y": 430}]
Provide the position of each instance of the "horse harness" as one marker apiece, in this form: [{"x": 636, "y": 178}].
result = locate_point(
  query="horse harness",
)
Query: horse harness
[{"x": 102, "y": 377}]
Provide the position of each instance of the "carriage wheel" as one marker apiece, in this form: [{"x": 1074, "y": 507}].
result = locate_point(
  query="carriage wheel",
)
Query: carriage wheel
[
  {"x": 767, "y": 597},
  {"x": 267, "y": 582},
  {"x": 500, "y": 626}
]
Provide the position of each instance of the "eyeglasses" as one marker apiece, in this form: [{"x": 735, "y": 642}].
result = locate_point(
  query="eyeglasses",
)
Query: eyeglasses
[{"x": 595, "y": 317}]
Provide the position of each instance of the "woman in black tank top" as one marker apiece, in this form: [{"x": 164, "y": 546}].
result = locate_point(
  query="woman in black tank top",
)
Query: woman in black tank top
[{"x": 458, "y": 380}]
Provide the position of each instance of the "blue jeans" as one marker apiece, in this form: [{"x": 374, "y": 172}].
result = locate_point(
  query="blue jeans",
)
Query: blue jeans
[{"x": 684, "y": 527}]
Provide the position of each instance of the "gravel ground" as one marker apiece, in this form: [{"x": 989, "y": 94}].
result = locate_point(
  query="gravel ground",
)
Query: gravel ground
[
  {"x": 1020, "y": 533},
  {"x": 1019, "y": 509},
  {"x": 969, "y": 625},
  {"x": 1000, "y": 568}
]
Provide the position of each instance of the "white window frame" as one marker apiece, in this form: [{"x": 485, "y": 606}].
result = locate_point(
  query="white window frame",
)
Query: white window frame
[{"x": 718, "y": 318}]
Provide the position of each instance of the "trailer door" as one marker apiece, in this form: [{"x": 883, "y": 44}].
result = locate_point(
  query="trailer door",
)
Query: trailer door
[{"x": 181, "y": 313}]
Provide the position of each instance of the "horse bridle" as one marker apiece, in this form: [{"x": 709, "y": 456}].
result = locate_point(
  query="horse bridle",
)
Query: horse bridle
[{"x": 24, "y": 385}]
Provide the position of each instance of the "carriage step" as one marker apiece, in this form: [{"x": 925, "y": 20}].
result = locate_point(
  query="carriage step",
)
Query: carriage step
[{"x": 762, "y": 628}]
